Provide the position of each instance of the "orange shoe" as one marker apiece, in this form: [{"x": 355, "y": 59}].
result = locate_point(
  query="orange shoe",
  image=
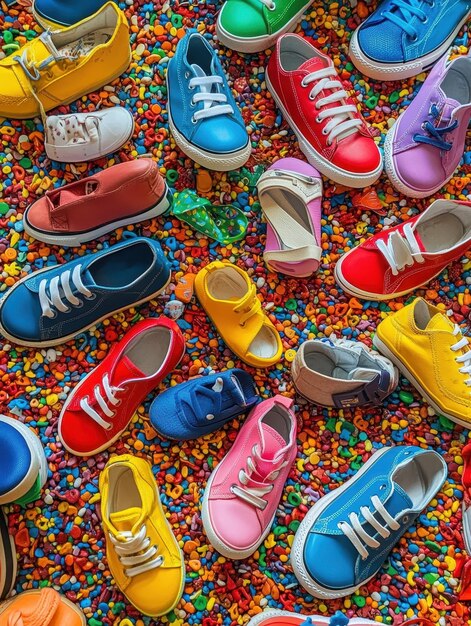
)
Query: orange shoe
[{"x": 42, "y": 607}]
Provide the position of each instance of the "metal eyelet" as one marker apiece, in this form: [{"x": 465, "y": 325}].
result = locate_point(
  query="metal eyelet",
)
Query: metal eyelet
[
  {"x": 272, "y": 7},
  {"x": 187, "y": 74},
  {"x": 79, "y": 305},
  {"x": 324, "y": 132},
  {"x": 382, "y": 487},
  {"x": 193, "y": 121},
  {"x": 192, "y": 103},
  {"x": 92, "y": 297},
  {"x": 311, "y": 98},
  {"x": 414, "y": 38},
  {"x": 318, "y": 120},
  {"x": 303, "y": 84},
  {"x": 425, "y": 21},
  {"x": 405, "y": 519}
]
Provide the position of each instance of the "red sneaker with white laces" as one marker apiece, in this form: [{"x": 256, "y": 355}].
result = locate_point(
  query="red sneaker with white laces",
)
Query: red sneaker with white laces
[
  {"x": 407, "y": 256},
  {"x": 101, "y": 406},
  {"x": 330, "y": 130}
]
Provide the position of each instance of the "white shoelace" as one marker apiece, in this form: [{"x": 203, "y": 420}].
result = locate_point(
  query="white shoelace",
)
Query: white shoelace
[
  {"x": 64, "y": 130},
  {"x": 355, "y": 532},
  {"x": 33, "y": 69},
  {"x": 269, "y": 4},
  {"x": 215, "y": 103},
  {"x": 398, "y": 250},
  {"x": 110, "y": 393},
  {"x": 60, "y": 287},
  {"x": 136, "y": 553},
  {"x": 465, "y": 357},
  {"x": 341, "y": 122},
  {"x": 254, "y": 495}
]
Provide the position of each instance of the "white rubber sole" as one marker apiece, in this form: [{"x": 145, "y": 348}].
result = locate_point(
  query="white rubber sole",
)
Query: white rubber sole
[
  {"x": 77, "y": 153},
  {"x": 393, "y": 176},
  {"x": 4, "y": 605},
  {"x": 221, "y": 547},
  {"x": 383, "y": 348},
  {"x": 78, "y": 239},
  {"x": 297, "y": 551},
  {"x": 349, "y": 179},
  {"x": 365, "y": 295},
  {"x": 109, "y": 443},
  {"x": 39, "y": 467},
  {"x": 249, "y": 45},
  {"x": 216, "y": 162},
  {"x": 56, "y": 342},
  {"x": 398, "y": 71},
  {"x": 318, "y": 620}
]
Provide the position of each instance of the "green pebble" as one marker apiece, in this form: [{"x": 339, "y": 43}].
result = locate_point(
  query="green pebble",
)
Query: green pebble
[
  {"x": 291, "y": 304},
  {"x": 349, "y": 67},
  {"x": 344, "y": 453},
  {"x": 200, "y": 603},
  {"x": 392, "y": 571},
  {"x": 90, "y": 580},
  {"x": 314, "y": 329},
  {"x": 349, "y": 426},
  {"x": 25, "y": 162},
  {"x": 330, "y": 425},
  {"x": 294, "y": 525},
  {"x": 279, "y": 530},
  {"x": 118, "y": 607},
  {"x": 94, "y": 622},
  {"x": 4, "y": 208},
  {"x": 360, "y": 601},
  {"x": 394, "y": 97},
  {"x": 434, "y": 547},
  {"x": 193, "y": 575},
  {"x": 431, "y": 578},
  {"x": 30, "y": 34},
  {"x": 406, "y": 397},
  {"x": 352, "y": 441},
  {"x": 8, "y": 36},
  {"x": 372, "y": 101},
  {"x": 445, "y": 422},
  {"x": 294, "y": 498},
  {"x": 21, "y": 257}
]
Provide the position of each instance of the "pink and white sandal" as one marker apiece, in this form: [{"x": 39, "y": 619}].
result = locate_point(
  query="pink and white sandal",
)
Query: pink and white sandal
[{"x": 290, "y": 194}]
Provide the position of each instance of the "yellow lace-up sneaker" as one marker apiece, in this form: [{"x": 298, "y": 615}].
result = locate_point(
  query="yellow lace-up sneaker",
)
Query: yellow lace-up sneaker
[
  {"x": 143, "y": 554},
  {"x": 432, "y": 353},
  {"x": 59, "y": 67}
]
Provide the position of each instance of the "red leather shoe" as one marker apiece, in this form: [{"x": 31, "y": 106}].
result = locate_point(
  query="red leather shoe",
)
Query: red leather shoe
[
  {"x": 86, "y": 209},
  {"x": 330, "y": 131},
  {"x": 405, "y": 257},
  {"x": 101, "y": 406}
]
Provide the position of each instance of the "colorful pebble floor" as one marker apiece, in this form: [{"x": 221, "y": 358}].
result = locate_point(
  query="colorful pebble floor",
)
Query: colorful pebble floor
[{"x": 59, "y": 539}]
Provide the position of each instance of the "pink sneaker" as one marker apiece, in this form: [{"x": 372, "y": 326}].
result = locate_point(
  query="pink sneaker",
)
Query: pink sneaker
[
  {"x": 290, "y": 194},
  {"x": 242, "y": 493}
]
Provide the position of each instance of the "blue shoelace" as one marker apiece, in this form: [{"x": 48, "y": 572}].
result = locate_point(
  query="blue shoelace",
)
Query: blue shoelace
[
  {"x": 402, "y": 12},
  {"x": 339, "y": 619},
  {"x": 435, "y": 135}
]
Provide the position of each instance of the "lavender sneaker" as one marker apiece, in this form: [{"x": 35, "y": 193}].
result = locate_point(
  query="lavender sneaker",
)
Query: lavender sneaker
[{"x": 425, "y": 145}]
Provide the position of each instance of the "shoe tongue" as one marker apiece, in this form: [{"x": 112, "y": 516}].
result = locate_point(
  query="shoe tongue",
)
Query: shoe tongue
[
  {"x": 398, "y": 501},
  {"x": 272, "y": 443},
  {"x": 440, "y": 322},
  {"x": 73, "y": 193},
  {"x": 126, "y": 519},
  {"x": 314, "y": 64},
  {"x": 199, "y": 72},
  {"x": 362, "y": 373},
  {"x": 126, "y": 370}
]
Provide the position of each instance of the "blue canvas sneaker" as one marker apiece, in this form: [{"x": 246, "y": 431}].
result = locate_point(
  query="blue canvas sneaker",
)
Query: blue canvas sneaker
[
  {"x": 57, "y": 14},
  {"x": 402, "y": 38},
  {"x": 8, "y": 563},
  {"x": 23, "y": 465},
  {"x": 57, "y": 303},
  {"x": 346, "y": 536},
  {"x": 202, "y": 113},
  {"x": 201, "y": 405}
]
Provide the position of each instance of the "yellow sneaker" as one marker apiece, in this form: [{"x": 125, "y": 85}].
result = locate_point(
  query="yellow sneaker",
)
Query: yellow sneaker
[
  {"x": 143, "y": 554},
  {"x": 59, "y": 67},
  {"x": 433, "y": 355}
]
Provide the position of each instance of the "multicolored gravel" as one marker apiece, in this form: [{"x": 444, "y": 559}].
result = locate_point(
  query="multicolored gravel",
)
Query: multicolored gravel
[{"x": 59, "y": 539}]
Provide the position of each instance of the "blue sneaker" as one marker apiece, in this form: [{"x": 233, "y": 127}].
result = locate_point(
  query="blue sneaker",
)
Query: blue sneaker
[
  {"x": 57, "y": 303},
  {"x": 403, "y": 38},
  {"x": 202, "y": 113},
  {"x": 23, "y": 465},
  {"x": 57, "y": 14},
  {"x": 201, "y": 405},
  {"x": 346, "y": 536}
]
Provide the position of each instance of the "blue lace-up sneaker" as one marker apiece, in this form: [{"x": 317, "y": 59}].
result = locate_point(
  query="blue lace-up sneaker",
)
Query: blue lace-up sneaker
[
  {"x": 201, "y": 405},
  {"x": 402, "y": 38},
  {"x": 57, "y": 303},
  {"x": 202, "y": 113},
  {"x": 345, "y": 537},
  {"x": 57, "y": 14}
]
